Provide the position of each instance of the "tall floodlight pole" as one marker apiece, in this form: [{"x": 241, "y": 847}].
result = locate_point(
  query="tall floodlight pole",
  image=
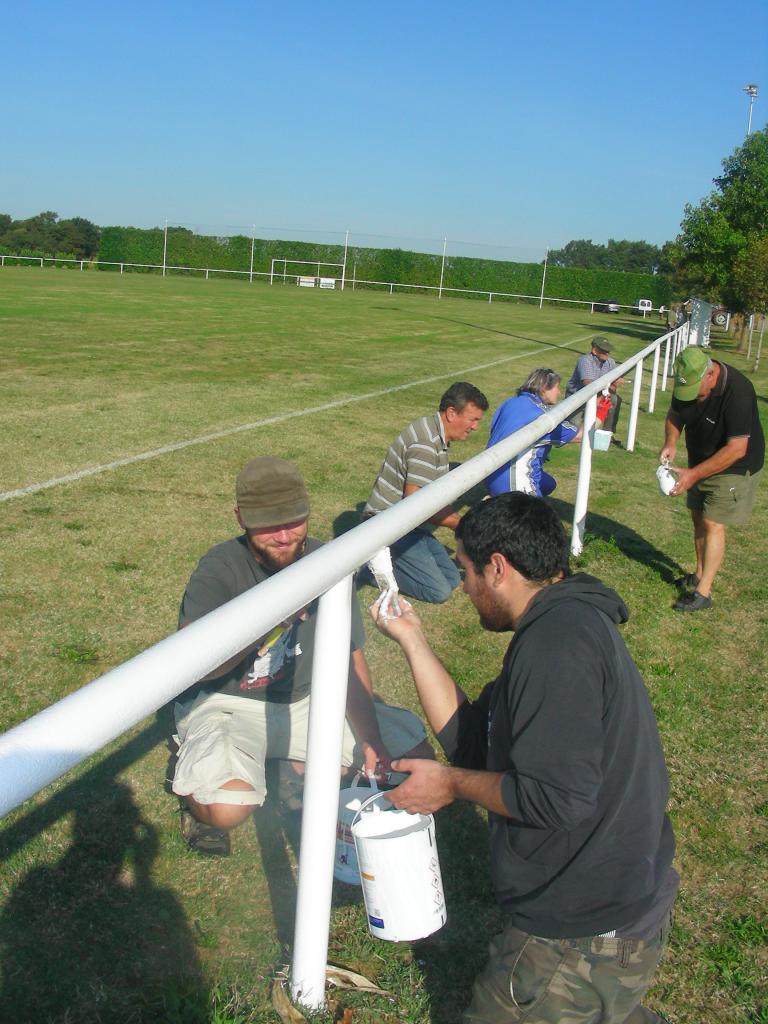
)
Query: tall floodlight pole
[
  {"x": 344, "y": 265},
  {"x": 543, "y": 279},
  {"x": 442, "y": 270},
  {"x": 253, "y": 242},
  {"x": 165, "y": 243},
  {"x": 752, "y": 91}
]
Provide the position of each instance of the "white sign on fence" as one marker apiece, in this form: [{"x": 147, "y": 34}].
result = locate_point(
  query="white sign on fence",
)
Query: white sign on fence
[
  {"x": 305, "y": 282},
  {"x": 327, "y": 282}
]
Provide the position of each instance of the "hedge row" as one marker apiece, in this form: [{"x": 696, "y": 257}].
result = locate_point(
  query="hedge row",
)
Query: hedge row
[
  {"x": 401, "y": 266},
  {"x": 36, "y": 254}
]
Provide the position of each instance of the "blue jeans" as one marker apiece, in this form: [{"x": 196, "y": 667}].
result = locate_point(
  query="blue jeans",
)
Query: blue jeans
[{"x": 423, "y": 568}]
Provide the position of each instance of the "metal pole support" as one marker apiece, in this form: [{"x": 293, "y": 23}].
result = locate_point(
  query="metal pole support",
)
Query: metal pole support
[
  {"x": 330, "y": 671},
  {"x": 638, "y": 383},
  {"x": 585, "y": 471}
]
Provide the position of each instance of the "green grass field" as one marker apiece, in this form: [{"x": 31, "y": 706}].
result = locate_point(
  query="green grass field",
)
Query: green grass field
[{"x": 104, "y": 916}]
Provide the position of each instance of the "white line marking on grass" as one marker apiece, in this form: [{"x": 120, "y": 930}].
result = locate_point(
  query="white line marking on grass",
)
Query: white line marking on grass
[{"x": 81, "y": 474}]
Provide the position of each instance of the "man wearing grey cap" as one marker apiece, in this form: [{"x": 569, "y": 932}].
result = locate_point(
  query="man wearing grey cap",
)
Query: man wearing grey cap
[
  {"x": 256, "y": 705},
  {"x": 591, "y": 366}
]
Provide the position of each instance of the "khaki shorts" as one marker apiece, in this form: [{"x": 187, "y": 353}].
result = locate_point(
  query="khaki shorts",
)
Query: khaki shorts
[
  {"x": 222, "y": 738},
  {"x": 726, "y": 498}
]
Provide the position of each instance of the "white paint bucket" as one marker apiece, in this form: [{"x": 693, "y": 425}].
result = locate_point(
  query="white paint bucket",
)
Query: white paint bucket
[
  {"x": 602, "y": 440},
  {"x": 345, "y": 867},
  {"x": 399, "y": 870}
]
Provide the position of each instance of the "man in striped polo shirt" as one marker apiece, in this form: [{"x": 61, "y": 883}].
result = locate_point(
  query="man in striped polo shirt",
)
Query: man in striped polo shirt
[{"x": 417, "y": 457}]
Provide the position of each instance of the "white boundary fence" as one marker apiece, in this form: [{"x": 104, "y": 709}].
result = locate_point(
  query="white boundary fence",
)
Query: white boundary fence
[
  {"x": 389, "y": 286},
  {"x": 40, "y": 750}
]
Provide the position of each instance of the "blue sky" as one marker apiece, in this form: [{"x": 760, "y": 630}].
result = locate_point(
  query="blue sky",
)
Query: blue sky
[{"x": 517, "y": 126}]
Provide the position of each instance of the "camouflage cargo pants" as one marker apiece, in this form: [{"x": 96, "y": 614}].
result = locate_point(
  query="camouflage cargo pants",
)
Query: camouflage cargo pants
[{"x": 593, "y": 980}]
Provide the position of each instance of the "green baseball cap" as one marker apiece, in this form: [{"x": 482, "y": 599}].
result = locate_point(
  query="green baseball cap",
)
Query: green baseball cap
[
  {"x": 270, "y": 492},
  {"x": 602, "y": 343},
  {"x": 690, "y": 367}
]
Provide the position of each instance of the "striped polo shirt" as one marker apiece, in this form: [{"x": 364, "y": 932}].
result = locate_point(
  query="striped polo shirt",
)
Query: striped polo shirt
[
  {"x": 418, "y": 456},
  {"x": 588, "y": 367}
]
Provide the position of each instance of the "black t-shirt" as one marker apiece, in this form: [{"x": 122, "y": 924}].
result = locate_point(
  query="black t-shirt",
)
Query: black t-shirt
[
  {"x": 730, "y": 411},
  {"x": 281, "y": 671}
]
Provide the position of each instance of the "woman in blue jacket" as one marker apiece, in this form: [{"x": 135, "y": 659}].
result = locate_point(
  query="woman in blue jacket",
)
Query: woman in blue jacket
[{"x": 526, "y": 473}]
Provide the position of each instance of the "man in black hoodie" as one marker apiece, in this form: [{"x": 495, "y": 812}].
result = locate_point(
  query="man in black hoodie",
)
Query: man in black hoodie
[{"x": 563, "y": 751}]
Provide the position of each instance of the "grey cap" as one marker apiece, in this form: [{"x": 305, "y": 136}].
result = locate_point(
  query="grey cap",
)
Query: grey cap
[{"x": 270, "y": 492}]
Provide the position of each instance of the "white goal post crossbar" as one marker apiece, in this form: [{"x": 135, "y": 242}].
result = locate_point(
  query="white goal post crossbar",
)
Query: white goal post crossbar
[
  {"x": 40, "y": 750},
  {"x": 304, "y": 263}
]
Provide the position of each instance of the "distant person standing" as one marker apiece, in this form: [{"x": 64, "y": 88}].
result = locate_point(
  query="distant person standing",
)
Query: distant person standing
[
  {"x": 417, "y": 457},
  {"x": 591, "y": 366},
  {"x": 716, "y": 407},
  {"x": 526, "y": 472}
]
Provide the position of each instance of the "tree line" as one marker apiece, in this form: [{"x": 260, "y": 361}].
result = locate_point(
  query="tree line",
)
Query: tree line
[
  {"x": 720, "y": 254},
  {"x": 46, "y": 235},
  {"x": 622, "y": 255}
]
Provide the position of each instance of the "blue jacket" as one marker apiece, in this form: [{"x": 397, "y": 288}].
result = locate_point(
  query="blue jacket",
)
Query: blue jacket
[{"x": 524, "y": 472}]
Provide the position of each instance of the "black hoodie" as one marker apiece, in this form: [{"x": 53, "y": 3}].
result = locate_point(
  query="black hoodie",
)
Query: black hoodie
[{"x": 587, "y": 844}]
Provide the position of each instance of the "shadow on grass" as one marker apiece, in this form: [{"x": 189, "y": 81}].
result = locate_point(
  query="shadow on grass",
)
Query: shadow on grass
[
  {"x": 631, "y": 544},
  {"x": 279, "y": 833},
  {"x": 507, "y": 334},
  {"x": 88, "y": 936},
  {"x": 352, "y": 517},
  {"x": 626, "y": 329},
  {"x": 451, "y": 958}
]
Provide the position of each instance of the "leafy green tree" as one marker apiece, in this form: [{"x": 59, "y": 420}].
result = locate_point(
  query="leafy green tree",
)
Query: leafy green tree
[
  {"x": 632, "y": 257},
  {"x": 79, "y": 236},
  {"x": 723, "y": 226},
  {"x": 624, "y": 255},
  {"x": 579, "y": 252},
  {"x": 748, "y": 287},
  {"x": 47, "y": 235}
]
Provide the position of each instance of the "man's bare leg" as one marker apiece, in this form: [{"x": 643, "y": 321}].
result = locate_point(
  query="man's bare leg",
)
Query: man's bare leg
[
  {"x": 223, "y": 816},
  {"x": 709, "y": 540}
]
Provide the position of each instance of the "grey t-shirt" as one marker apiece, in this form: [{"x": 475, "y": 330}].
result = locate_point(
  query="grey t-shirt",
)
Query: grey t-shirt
[{"x": 282, "y": 674}]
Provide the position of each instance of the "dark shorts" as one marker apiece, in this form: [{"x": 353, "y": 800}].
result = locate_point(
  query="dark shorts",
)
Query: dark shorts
[{"x": 726, "y": 498}]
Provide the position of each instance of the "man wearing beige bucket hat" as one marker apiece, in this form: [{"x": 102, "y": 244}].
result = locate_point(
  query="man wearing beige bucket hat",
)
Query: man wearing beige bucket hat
[
  {"x": 256, "y": 705},
  {"x": 563, "y": 751},
  {"x": 715, "y": 406}
]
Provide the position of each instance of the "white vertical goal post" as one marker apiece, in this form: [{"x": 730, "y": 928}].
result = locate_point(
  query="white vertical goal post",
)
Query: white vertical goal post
[{"x": 319, "y": 276}]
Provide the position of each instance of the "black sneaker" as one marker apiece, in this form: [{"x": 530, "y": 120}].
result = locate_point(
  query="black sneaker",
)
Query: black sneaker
[
  {"x": 693, "y": 601},
  {"x": 205, "y": 839},
  {"x": 688, "y": 582}
]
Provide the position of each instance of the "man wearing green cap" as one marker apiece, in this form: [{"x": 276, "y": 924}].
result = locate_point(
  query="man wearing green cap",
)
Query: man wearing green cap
[
  {"x": 256, "y": 705},
  {"x": 716, "y": 406}
]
